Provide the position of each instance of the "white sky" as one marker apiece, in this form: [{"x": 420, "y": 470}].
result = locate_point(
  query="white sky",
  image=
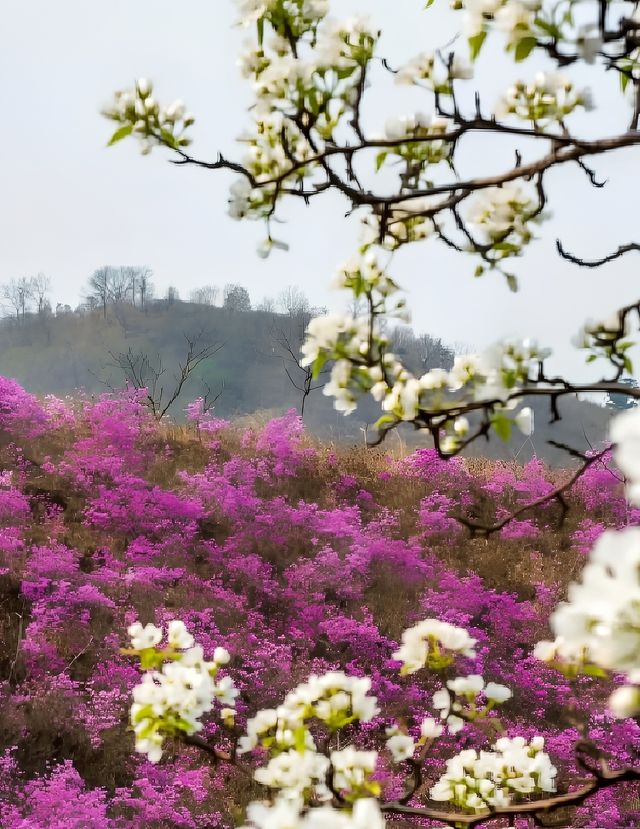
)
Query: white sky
[{"x": 69, "y": 204}]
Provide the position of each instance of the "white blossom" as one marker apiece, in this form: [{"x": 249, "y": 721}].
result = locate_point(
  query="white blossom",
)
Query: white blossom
[
  {"x": 430, "y": 728},
  {"x": 624, "y": 702},
  {"x": 178, "y": 636},
  {"x": 477, "y": 780},
  {"x": 432, "y": 641},
  {"x": 144, "y": 637},
  {"x": 294, "y": 773},
  {"x": 172, "y": 699},
  {"x": 524, "y": 420},
  {"x": 352, "y": 768},
  {"x": 400, "y": 745},
  {"x": 625, "y": 434},
  {"x": 601, "y": 618}
]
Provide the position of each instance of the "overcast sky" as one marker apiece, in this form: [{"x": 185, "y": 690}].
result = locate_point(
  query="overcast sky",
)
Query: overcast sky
[{"x": 69, "y": 205}]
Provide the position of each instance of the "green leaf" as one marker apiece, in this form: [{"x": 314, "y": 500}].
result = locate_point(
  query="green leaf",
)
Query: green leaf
[
  {"x": 524, "y": 48},
  {"x": 550, "y": 28},
  {"x": 429, "y": 3},
  {"x": 591, "y": 358},
  {"x": 502, "y": 427},
  {"x": 120, "y": 133},
  {"x": 380, "y": 159},
  {"x": 594, "y": 670},
  {"x": 318, "y": 365},
  {"x": 260, "y": 31},
  {"x": 475, "y": 43},
  {"x": 624, "y": 80},
  {"x": 512, "y": 282},
  {"x": 385, "y": 420},
  {"x": 508, "y": 247}
]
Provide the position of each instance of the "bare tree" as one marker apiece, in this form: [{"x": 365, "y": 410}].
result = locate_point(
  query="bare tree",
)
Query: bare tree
[
  {"x": 120, "y": 285},
  {"x": 267, "y": 304},
  {"x": 206, "y": 295},
  {"x": 17, "y": 295},
  {"x": 293, "y": 301},
  {"x": 289, "y": 342},
  {"x": 40, "y": 286},
  {"x": 143, "y": 374},
  {"x": 99, "y": 288},
  {"x": 145, "y": 285},
  {"x": 172, "y": 295}
]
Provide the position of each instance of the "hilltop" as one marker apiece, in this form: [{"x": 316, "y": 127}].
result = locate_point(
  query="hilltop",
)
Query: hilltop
[{"x": 251, "y": 369}]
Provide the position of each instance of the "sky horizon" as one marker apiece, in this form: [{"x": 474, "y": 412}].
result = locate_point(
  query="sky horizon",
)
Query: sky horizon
[{"x": 71, "y": 205}]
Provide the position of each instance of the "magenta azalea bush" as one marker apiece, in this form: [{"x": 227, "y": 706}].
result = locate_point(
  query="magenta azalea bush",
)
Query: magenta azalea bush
[{"x": 284, "y": 560}]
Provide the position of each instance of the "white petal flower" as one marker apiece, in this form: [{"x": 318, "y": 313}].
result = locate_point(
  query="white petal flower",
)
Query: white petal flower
[
  {"x": 430, "y": 728},
  {"x": 144, "y": 637},
  {"x": 401, "y": 746},
  {"x": 497, "y": 693},
  {"x": 624, "y": 702},
  {"x": 524, "y": 421},
  {"x": 178, "y": 636}
]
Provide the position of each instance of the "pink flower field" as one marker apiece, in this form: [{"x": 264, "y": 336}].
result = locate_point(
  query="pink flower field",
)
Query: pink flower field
[{"x": 296, "y": 557}]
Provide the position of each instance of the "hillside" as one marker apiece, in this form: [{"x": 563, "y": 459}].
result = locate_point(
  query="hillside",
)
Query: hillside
[{"x": 61, "y": 354}]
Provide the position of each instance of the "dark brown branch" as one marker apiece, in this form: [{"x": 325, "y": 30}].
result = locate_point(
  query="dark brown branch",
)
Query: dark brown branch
[
  {"x": 485, "y": 530},
  {"x": 596, "y": 263}
]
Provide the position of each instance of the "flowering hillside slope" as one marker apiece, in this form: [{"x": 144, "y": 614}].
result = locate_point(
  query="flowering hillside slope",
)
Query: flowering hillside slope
[{"x": 295, "y": 559}]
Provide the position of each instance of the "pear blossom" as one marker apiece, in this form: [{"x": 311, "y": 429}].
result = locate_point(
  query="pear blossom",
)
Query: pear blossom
[
  {"x": 401, "y": 746},
  {"x": 172, "y": 698},
  {"x": 144, "y": 637},
  {"x": 430, "y": 728},
  {"x": 625, "y": 434},
  {"x": 432, "y": 643},
  {"x": 601, "y": 618},
  {"x": 476, "y": 780}
]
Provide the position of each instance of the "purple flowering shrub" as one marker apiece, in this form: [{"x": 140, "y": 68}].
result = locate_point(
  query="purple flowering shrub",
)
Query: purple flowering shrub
[{"x": 295, "y": 558}]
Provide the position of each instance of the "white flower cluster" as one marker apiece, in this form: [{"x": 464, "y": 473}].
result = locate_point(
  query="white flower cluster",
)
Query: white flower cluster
[
  {"x": 417, "y": 154},
  {"x": 285, "y": 814},
  {"x": 607, "y": 338},
  {"x": 550, "y": 98},
  {"x": 295, "y": 769},
  {"x": 319, "y": 78},
  {"x": 433, "y": 644},
  {"x": 171, "y": 700},
  {"x": 362, "y": 364},
  {"x": 501, "y": 216},
  {"x": 296, "y": 774},
  {"x": 301, "y": 15},
  {"x": 625, "y": 434},
  {"x": 346, "y": 43},
  {"x": 599, "y": 625},
  {"x": 333, "y": 698},
  {"x": 434, "y": 73},
  {"x": 352, "y": 770},
  {"x": 463, "y": 699},
  {"x": 403, "y": 224},
  {"x": 475, "y": 781},
  {"x": 139, "y": 114},
  {"x": 515, "y": 18}
]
